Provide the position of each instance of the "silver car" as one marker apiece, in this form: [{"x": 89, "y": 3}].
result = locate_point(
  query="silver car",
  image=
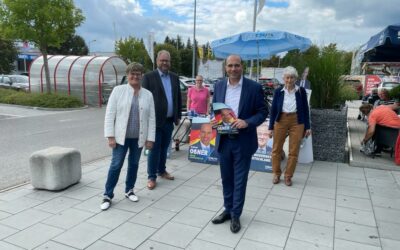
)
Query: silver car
[{"x": 17, "y": 82}]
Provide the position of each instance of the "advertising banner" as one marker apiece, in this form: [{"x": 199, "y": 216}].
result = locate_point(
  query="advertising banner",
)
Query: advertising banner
[
  {"x": 371, "y": 81},
  {"x": 202, "y": 142},
  {"x": 261, "y": 160}
]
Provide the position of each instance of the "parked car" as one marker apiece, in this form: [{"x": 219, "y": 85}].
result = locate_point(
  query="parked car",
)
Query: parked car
[
  {"x": 210, "y": 85},
  {"x": 269, "y": 82},
  {"x": 17, "y": 82},
  {"x": 388, "y": 85},
  {"x": 190, "y": 82}
]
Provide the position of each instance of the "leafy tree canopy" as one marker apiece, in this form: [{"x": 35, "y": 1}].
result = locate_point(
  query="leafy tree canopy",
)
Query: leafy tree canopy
[
  {"x": 74, "y": 45},
  {"x": 44, "y": 22},
  {"x": 8, "y": 54},
  {"x": 132, "y": 49}
]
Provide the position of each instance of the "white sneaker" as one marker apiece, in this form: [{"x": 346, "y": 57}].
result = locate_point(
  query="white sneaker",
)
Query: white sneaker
[
  {"x": 106, "y": 203},
  {"x": 131, "y": 196}
]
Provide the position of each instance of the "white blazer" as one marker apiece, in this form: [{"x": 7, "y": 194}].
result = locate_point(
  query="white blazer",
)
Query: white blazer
[{"x": 117, "y": 114}]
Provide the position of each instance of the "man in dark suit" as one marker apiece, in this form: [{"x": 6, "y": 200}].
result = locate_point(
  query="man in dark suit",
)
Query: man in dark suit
[
  {"x": 246, "y": 99},
  {"x": 164, "y": 85},
  {"x": 303, "y": 82}
]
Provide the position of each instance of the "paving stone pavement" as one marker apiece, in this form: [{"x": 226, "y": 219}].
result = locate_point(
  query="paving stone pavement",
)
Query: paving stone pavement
[{"x": 329, "y": 206}]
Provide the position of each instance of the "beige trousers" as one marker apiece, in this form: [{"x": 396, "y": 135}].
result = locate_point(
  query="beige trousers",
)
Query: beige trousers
[{"x": 287, "y": 125}]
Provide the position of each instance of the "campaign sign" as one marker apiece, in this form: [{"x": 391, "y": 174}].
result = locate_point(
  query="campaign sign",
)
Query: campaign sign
[
  {"x": 261, "y": 160},
  {"x": 202, "y": 142},
  {"x": 224, "y": 116}
]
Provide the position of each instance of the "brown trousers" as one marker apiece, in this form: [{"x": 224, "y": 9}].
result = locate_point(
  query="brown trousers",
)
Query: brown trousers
[{"x": 287, "y": 124}]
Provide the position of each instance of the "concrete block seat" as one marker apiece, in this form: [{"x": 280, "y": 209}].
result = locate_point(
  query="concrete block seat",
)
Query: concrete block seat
[{"x": 55, "y": 168}]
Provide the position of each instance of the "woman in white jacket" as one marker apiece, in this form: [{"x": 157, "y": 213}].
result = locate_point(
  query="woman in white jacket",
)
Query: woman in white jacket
[{"x": 129, "y": 124}]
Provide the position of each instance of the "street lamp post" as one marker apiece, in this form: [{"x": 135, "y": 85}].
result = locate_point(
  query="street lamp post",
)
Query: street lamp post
[
  {"x": 90, "y": 42},
  {"x": 194, "y": 42}
]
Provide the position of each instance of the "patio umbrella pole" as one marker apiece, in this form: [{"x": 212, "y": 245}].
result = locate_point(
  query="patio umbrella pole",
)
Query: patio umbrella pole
[{"x": 254, "y": 29}]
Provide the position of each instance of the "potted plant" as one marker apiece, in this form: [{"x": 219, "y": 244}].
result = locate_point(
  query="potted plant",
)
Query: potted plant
[{"x": 328, "y": 109}]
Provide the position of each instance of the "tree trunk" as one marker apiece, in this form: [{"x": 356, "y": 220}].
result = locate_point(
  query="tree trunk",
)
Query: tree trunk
[{"x": 46, "y": 71}]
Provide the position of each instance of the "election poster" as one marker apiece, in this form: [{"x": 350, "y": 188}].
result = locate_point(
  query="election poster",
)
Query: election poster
[
  {"x": 202, "y": 142},
  {"x": 261, "y": 160}
]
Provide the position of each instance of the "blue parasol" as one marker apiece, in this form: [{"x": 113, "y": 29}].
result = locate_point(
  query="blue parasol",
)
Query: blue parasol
[{"x": 258, "y": 45}]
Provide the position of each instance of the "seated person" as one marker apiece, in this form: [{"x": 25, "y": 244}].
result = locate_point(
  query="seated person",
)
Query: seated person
[
  {"x": 383, "y": 115},
  {"x": 371, "y": 99},
  {"x": 384, "y": 98},
  {"x": 374, "y": 96}
]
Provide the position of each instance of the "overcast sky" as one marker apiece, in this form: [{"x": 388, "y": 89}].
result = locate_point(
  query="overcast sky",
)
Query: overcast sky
[{"x": 349, "y": 23}]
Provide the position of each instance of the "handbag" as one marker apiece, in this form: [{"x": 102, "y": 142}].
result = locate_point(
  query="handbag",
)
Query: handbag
[{"x": 368, "y": 148}]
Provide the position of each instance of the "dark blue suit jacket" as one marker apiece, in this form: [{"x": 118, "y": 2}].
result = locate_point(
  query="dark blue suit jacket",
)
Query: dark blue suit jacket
[
  {"x": 303, "y": 113},
  {"x": 152, "y": 81},
  {"x": 252, "y": 109}
]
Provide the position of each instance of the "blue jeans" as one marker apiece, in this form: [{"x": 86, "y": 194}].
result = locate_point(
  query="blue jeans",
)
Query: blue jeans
[
  {"x": 118, "y": 157},
  {"x": 158, "y": 154}
]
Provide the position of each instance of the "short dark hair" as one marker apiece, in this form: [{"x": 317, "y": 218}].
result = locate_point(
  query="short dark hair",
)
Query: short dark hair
[
  {"x": 365, "y": 108},
  {"x": 134, "y": 67}
]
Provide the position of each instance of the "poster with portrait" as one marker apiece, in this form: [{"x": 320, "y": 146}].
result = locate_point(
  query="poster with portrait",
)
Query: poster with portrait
[
  {"x": 202, "y": 142},
  {"x": 224, "y": 116},
  {"x": 261, "y": 160}
]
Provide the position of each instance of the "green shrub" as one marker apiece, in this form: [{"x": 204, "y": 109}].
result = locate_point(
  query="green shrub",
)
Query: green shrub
[
  {"x": 394, "y": 93},
  {"x": 347, "y": 93},
  {"x": 38, "y": 99},
  {"x": 325, "y": 72}
]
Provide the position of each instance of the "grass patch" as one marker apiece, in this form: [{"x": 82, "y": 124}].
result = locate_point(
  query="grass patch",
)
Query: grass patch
[{"x": 39, "y": 100}]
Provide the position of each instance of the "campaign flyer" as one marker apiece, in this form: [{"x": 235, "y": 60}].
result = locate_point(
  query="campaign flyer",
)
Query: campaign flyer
[{"x": 224, "y": 116}]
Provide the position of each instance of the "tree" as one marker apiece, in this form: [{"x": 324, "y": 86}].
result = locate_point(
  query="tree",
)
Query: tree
[
  {"x": 132, "y": 49},
  {"x": 186, "y": 56},
  {"x": 45, "y": 22},
  {"x": 189, "y": 44},
  {"x": 167, "y": 40},
  {"x": 74, "y": 45},
  {"x": 274, "y": 61},
  {"x": 8, "y": 54},
  {"x": 179, "y": 44}
]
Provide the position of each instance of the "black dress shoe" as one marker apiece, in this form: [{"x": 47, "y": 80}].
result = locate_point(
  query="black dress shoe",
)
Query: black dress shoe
[
  {"x": 224, "y": 216},
  {"x": 235, "y": 225}
]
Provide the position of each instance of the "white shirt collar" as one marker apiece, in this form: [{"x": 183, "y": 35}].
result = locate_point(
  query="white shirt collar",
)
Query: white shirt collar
[
  {"x": 238, "y": 85},
  {"x": 295, "y": 87}
]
